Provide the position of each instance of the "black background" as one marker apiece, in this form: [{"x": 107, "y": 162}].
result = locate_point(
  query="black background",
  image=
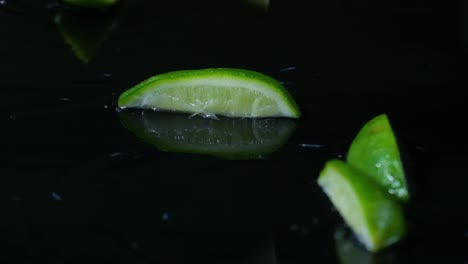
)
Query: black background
[{"x": 77, "y": 187}]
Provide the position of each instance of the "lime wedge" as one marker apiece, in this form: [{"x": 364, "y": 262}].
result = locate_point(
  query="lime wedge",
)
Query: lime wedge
[
  {"x": 376, "y": 218},
  {"x": 230, "y": 138},
  {"x": 91, "y": 3},
  {"x": 375, "y": 151},
  {"x": 213, "y": 91}
]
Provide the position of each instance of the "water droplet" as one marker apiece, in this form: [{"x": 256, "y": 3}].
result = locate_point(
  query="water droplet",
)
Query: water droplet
[
  {"x": 2, "y": 2},
  {"x": 56, "y": 196},
  {"x": 63, "y": 99},
  {"x": 107, "y": 74},
  {"x": 115, "y": 154},
  {"x": 290, "y": 68},
  {"x": 304, "y": 230},
  {"x": 12, "y": 117},
  {"x": 134, "y": 245},
  {"x": 306, "y": 145},
  {"x": 165, "y": 216},
  {"x": 52, "y": 5},
  {"x": 105, "y": 106},
  {"x": 119, "y": 109},
  {"x": 294, "y": 227},
  {"x": 315, "y": 220}
]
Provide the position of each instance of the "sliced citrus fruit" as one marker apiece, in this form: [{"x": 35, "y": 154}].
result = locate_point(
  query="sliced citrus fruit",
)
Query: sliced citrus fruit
[
  {"x": 376, "y": 218},
  {"x": 230, "y": 138},
  {"x": 213, "y": 91},
  {"x": 375, "y": 151}
]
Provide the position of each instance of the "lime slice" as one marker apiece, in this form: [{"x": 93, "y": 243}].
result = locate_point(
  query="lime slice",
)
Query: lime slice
[
  {"x": 91, "y": 3},
  {"x": 230, "y": 138},
  {"x": 213, "y": 91},
  {"x": 376, "y": 218},
  {"x": 375, "y": 151}
]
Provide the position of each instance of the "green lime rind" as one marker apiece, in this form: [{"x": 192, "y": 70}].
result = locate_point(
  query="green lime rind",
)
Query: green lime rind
[
  {"x": 375, "y": 151},
  {"x": 219, "y": 91},
  {"x": 91, "y": 3},
  {"x": 375, "y": 217},
  {"x": 228, "y": 138}
]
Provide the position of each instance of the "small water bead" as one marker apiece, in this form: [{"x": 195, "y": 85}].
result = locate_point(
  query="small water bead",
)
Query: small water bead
[
  {"x": 115, "y": 154},
  {"x": 306, "y": 145},
  {"x": 165, "y": 216},
  {"x": 290, "y": 68},
  {"x": 56, "y": 196},
  {"x": 134, "y": 245}
]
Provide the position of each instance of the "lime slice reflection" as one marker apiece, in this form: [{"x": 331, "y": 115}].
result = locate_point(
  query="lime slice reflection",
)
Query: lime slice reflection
[
  {"x": 230, "y": 138},
  {"x": 349, "y": 251}
]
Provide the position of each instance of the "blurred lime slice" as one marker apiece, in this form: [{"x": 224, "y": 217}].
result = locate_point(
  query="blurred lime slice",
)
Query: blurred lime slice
[
  {"x": 91, "y": 3},
  {"x": 214, "y": 91},
  {"x": 376, "y": 218},
  {"x": 85, "y": 32},
  {"x": 375, "y": 151},
  {"x": 230, "y": 138}
]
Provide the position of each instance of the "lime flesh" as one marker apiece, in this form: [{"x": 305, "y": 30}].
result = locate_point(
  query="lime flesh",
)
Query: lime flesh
[
  {"x": 375, "y": 151},
  {"x": 213, "y": 91},
  {"x": 376, "y": 218}
]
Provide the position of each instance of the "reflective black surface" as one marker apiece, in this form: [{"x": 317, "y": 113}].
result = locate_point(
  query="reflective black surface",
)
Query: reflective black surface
[{"x": 78, "y": 187}]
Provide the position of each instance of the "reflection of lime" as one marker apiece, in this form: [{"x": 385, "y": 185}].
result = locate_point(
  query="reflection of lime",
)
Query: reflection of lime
[
  {"x": 91, "y": 3},
  {"x": 375, "y": 217},
  {"x": 349, "y": 251},
  {"x": 217, "y": 91},
  {"x": 231, "y": 138},
  {"x": 374, "y": 150}
]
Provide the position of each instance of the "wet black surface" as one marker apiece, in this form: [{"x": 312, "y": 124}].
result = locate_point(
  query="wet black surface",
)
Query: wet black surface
[{"x": 78, "y": 187}]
